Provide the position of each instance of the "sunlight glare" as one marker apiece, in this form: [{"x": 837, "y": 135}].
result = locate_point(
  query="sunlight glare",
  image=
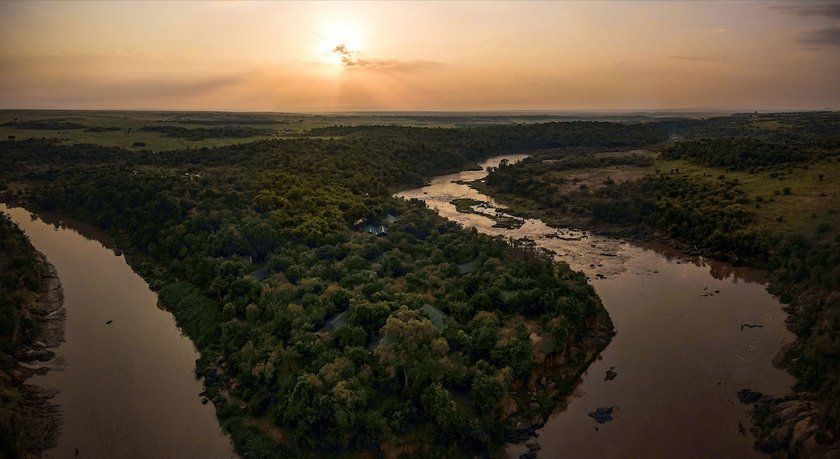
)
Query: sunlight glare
[{"x": 336, "y": 35}]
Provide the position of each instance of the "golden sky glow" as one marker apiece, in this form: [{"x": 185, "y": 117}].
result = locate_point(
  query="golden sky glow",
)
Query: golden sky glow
[{"x": 318, "y": 56}]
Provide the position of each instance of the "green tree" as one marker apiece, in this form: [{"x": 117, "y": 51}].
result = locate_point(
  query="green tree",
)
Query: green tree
[{"x": 407, "y": 340}]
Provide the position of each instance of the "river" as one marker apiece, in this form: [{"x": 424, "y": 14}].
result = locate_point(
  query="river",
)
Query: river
[
  {"x": 125, "y": 373},
  {"x": 680, "y": 352}
]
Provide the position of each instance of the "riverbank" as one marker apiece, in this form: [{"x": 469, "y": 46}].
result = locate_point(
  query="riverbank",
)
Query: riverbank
[
  {"x": 42, "y": 417},
  {"x": 660, "y": 302},
  {"x": 794, "y": 424},
  {"x": 126, "y": 385},
  {"x": 30, "y": 421},
  {"x": 552, "y": 386},
  {"x": 524, "y": 208}
]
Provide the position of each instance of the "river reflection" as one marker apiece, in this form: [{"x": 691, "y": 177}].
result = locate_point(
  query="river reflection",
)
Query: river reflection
[
  {"x": 125, "y": 373},
  {"x": 680, "y": 352},
  {"x": 89, "y": 232},
  {"x": 717, "y": 269}
]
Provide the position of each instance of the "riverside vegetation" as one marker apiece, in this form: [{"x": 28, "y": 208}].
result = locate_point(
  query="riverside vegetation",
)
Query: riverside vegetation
[
  {"x": 761, "y": 190},
  {"x": 28, "y": 421},
  {"x": 318, "y": 337}
]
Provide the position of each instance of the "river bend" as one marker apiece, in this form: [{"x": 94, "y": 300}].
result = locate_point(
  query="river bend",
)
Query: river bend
[{"x": 680, "y": 353}]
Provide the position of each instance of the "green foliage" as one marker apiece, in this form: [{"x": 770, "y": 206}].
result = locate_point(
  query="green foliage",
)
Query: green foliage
[
  {"x": 46, "y": 125},
  {"x": 201, "y": 133},
  {"x": 514, "y": 137},
  {"x": 811, "y": 132},
  {"x": 713, "y": 216},
  {"x": 20, "y": 279},
  {"x": 736, "y": 154},
  {"x": 256, "y": 248},
  {"x": 21, "y": 274}
]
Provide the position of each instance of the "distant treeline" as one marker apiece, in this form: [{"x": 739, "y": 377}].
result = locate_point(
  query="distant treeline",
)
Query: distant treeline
[
  {"x": 46, "y": 125},
  {"x": 201, "y": 133},
  {"x": 511, "y": 138},
  {"x": 805, "y": 130},
  {"x": 736, "y": 154},
  {"x": 227, "y": 119},
  {"x": 103, "y": 129}
]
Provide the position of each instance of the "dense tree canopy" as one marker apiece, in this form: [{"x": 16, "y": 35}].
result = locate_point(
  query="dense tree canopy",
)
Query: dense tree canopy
[
  {"x": 21, "y": 273},
  {"x": 334, "y": 338}
]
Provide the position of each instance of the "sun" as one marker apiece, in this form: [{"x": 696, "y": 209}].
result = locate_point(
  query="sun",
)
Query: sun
[{"x": 339, "y": 44}]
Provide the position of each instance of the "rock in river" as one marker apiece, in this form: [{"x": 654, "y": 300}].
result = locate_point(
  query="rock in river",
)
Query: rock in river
[
  {"x": 748, "y": 397},
  {"x": 602, "y": 414}
]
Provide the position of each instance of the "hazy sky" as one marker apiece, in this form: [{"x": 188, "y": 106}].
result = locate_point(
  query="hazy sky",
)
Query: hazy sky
[{"x": 316, "y": 56}]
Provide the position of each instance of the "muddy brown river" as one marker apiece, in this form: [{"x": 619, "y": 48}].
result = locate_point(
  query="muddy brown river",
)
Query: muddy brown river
[
  {"x": 680, "y": 353},
  {"x": 125, "y": 388}
]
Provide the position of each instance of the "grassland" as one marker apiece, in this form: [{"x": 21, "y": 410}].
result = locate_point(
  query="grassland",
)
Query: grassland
[
  {"x": 118, "y": 129},
  {"x": 794, "y": 199},
  {"x": 596, "y": 177},
  {"x": 124, "y": 129}
]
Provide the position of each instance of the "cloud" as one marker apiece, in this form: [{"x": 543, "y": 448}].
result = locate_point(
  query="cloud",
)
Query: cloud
[
  {"x": 395, "y": 64},
  {"x": 350, "y": 59},
  {"x": 823, "y": 36},
  {"x": 828, "y": 10},
  {"x": 59, "y": 84}
]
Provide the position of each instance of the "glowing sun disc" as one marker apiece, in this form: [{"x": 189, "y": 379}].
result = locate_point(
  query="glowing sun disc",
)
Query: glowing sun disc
[{"x": 338, "y": 43}]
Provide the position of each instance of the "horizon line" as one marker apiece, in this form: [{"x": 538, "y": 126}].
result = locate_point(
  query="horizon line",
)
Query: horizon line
[{"x": 520, "y": 111}]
